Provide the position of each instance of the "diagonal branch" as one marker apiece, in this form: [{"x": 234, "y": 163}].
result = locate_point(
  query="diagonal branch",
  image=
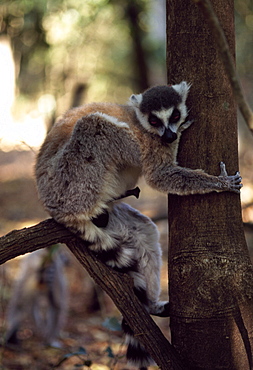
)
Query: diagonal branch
[
  {"x": 117, "y": 285},
  {"x": 227, "y": 59}
]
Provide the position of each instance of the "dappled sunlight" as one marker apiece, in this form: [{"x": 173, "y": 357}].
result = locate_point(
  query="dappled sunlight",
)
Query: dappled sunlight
[
  {"x": 247, "y": 193},
  {"x": 24, "y": 134},
  {"x": 7, "y": 78},
  {"x": 29, "y": 130},
  {"x": 247, "y": 202}
]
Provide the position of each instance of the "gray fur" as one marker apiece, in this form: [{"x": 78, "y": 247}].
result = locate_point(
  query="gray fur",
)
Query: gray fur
[
  {"x": 138, "y": 239},
  {"x": 41, "y": 295}
]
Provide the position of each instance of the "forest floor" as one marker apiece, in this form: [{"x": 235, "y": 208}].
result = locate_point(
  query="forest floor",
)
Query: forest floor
[{"x": 85, "y": 341}]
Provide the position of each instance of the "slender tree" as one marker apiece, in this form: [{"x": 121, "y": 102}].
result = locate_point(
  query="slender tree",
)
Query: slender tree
[{"x": 210, "y": 273}]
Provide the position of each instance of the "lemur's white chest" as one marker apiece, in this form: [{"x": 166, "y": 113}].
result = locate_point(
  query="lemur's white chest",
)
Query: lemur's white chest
[
  {"x": 129, "y": 177},
  {"x": 117, "y": 184}
]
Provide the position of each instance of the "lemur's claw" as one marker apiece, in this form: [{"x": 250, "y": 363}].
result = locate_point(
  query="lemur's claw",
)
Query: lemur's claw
[
  {"x": 223, "y": 171},
  {"x": 186, "y": 124}
]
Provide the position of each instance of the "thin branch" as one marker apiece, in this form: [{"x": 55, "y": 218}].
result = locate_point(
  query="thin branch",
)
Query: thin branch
[
  {"x": 26, "y": 240},
  {"x": 118, "y": 286},
  {"x": 227, "y": 59}
]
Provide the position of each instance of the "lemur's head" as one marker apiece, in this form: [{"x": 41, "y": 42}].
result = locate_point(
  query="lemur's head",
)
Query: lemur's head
[{"x": 161, "y": 109}]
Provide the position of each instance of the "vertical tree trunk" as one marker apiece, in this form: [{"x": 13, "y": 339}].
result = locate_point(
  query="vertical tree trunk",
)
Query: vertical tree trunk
[
  {"x": 211, "y": 276},
  {"x": 139, "y": 54}
]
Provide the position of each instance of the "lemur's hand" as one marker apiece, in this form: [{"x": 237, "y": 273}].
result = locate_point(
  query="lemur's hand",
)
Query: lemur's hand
[
  {"x": 185, "y": 125},
  {"x": 231, "y": 183}
]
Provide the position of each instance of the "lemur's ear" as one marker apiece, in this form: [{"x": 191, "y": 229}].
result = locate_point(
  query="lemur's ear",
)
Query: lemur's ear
[
  {"x": 182, "y": 89},
  {"x": 135, "y": 100}
]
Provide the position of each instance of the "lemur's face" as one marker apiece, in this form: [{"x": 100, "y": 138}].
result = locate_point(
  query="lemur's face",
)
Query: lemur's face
[{"x": 162, "y": 109}]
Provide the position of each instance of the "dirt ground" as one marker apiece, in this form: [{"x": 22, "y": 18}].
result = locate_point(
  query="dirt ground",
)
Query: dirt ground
[{"x": 85, "y": 341}]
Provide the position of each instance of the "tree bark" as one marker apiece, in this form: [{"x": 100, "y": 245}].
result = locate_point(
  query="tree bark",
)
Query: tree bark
[
  {"x": 117, "y": 285},
  {"x": 210, "y": 273}
]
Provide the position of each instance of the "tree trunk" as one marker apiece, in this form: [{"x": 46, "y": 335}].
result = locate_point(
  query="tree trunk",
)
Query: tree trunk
[{"x": 211, "y": 276}]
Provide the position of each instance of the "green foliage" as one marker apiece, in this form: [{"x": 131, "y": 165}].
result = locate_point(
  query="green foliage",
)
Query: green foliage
[
  {"x": 58, "y": 43},
  {"x": 21, "y": 20},
  {"x": 244, "y": 31},
  {"x": 79, "y": 353},
  {"x": 112, "y": 323},
  {"x": 109, "y": 352},
  {"x": 83, "y": 357}
]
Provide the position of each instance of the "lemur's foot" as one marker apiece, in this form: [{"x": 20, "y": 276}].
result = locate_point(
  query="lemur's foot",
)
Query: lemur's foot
[{"x": 163, "y": 310}]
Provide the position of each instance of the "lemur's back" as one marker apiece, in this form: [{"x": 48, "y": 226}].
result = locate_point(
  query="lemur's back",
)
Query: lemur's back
[
  {"x": 63, "y": 128},
  {"x": 89, "y": 158}
]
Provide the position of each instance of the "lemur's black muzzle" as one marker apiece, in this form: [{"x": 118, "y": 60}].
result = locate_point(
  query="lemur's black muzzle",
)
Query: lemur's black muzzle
[{"x": 169, "y": 136}]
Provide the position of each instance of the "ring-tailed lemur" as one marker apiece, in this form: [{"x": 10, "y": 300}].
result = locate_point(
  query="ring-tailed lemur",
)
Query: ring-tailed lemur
[
  {"x": 94, "y": 155},
  {"x": 41, "y": 295}
]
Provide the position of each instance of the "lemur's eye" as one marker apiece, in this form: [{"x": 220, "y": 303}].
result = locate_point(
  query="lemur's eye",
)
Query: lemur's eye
[
  {"x": 154, "y": 120},
  {"x": 175, "y": 116}
]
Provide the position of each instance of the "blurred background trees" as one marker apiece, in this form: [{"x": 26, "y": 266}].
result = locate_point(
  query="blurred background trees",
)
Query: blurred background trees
[
  {"x": 113, "y": 47},
  {"x": 244, "y": 57},
  {"x": 97, "y": 49},
  {"x": 53, "y": 55},
  {"x": 103, "y": 49}
]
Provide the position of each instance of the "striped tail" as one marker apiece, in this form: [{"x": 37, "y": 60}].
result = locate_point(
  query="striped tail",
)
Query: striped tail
[{"x": 136, "y": 353}]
